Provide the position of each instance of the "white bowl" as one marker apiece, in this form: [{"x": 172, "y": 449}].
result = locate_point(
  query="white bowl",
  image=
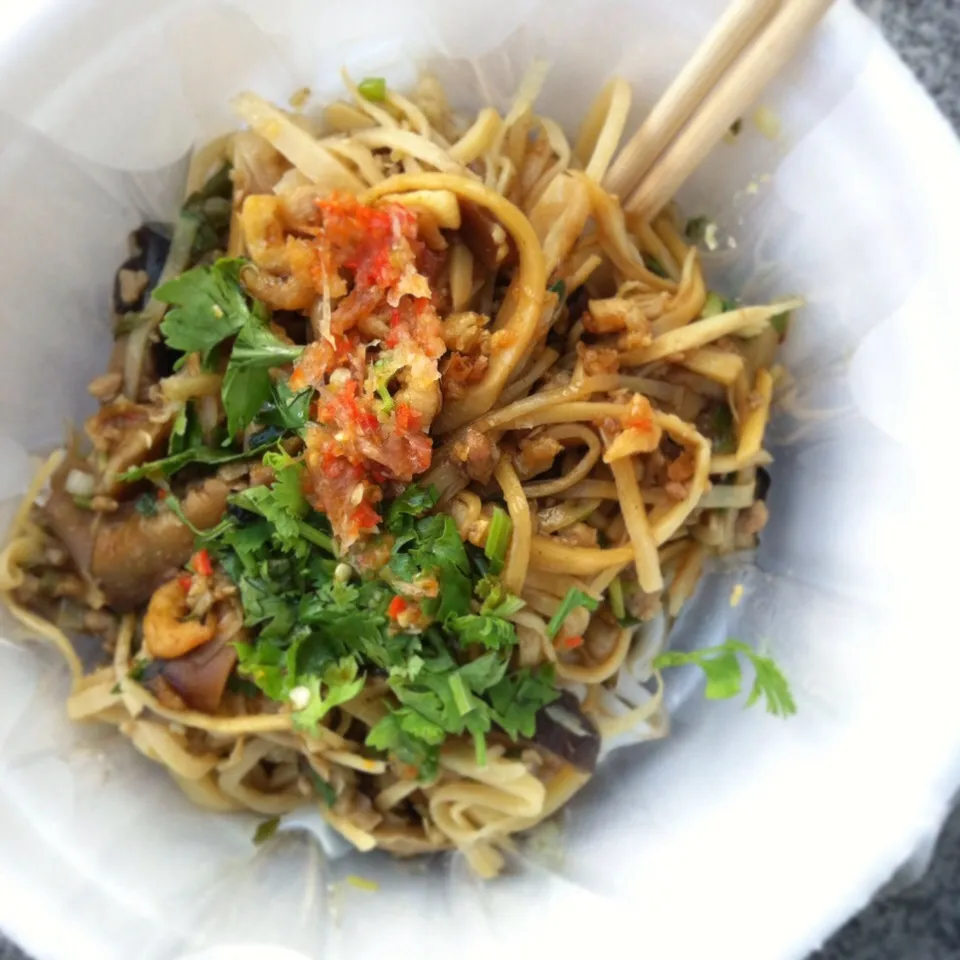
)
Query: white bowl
[{"x": 738, "y": 836}]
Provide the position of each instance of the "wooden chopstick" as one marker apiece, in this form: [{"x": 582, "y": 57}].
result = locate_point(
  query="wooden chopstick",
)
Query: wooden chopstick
[
  {"x": 740, "y": 23},
  {"x": 739, "y": 87}
]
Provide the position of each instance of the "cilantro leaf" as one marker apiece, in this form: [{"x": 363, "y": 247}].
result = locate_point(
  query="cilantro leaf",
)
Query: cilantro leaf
[
  {"x": 410, "y": 738},
  {"x": 266, "y": 830},
  {"x": 495, "y": 601},
  {"x": 342, "y": 683},
  {"x": 494, "y": 633},
  {"x": 414, "y": 502},
  {"x": 498, "y": 539},
  {"x": 327, "y": 793},
  {"x": 436, "y": 549},
  {"x": 484, "y": 672},
  {"x": 247, "y": 385},
  {"x": 209, "y": 305},
  {"x": 283, "y": 502},
  {"x": 517, "y": 698},
  {"x": 211, "y": 207},
  {"x": 721, "y": 665},
  {"x": 574, "y": 598},
  {"x": 170, "y": 465},
  {"x": 284, "y": 408}
]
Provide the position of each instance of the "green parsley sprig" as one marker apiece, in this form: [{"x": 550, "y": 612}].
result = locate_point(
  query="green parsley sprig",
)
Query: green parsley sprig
[{"x": 724, "y": 673}]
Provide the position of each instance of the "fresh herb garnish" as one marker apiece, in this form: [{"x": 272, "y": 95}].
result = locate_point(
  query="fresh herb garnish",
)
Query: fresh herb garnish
[
  {"x": 211, "y": 207},
  {"x": 498, "y": 539},
  {"x": 246, "y": 384},
  {"x": 721, "y": 665},
  {"x": 715, "y": 305},
  {"x": 559, "y": 288},
  {"x": 655, "y": 266},
  {"x": 285, "y": 409},
  {"x": 492, "y": 632},
  {"x": 780, "y": 323},
  {"x": 135, "y": 672},
  {"x": 316, "y": 637},
  {"x": 574, "y": 598},
  {"x": 266, "y": 830},
  {"x": 373, "y": 89},
  {"x": 496, "y": 602},
  {"x": 170, "y": 465},
  {"x": 413, "y": 503},
  {"x": 209, "y": 305},
  {"x": 615, "y": 597},
  {"x": 326, "y": 790},
  {"x": 724, "y": 438}
]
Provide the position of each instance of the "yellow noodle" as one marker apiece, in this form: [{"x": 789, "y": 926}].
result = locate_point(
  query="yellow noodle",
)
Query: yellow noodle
[
  {"x": 595, "y": 673},
  {"x": 537, "y": 369},
  {"x": 744, "y": 322},
  {"x": 533, "y": 375},
  {"x": 479, "y": 138},
  {"x": 602, "y": 129},
  {"x": 345, "y": 118},
  {"x": 720, "y": 365},
  {"x": 561, "y": 149},
  {"x": 531, "y": 406},
  {"x": 359, "y": 154},
  {"x": 518, "y": 556},
  {"x": 688, "y": 302},
  {"x": 686, "y": 435},
  {"x": 651, "y": 243},
  {"x": 635, "y": 518},
  {"x": 590, "y": 412},
  {"x": 517, "y": 318},
  {"x": 616, "y": 241},
  {"x": 558, "y": 557},
  {"x": 685, "y": 580},
  {"x": 295, "y": 144},
  {"x": 568, "y": 431}
]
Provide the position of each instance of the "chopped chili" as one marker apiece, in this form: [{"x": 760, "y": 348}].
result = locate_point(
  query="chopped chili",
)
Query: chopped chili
[{"x": 201, "y": 563}]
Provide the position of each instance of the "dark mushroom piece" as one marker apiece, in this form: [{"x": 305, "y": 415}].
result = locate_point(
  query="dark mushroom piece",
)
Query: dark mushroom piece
[
  {"x": 128, "y": 554},
  {"x": 763, "y": 484},
  {"x": 140, "y": 272},
  {"x": 133, "y": 555},
  {"x": 564, "y": 730},
  {"x": 199, "y": 677}
]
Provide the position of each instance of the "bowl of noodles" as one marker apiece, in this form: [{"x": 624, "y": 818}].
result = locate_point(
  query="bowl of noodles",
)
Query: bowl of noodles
[{"x": 425, "y": 520}]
